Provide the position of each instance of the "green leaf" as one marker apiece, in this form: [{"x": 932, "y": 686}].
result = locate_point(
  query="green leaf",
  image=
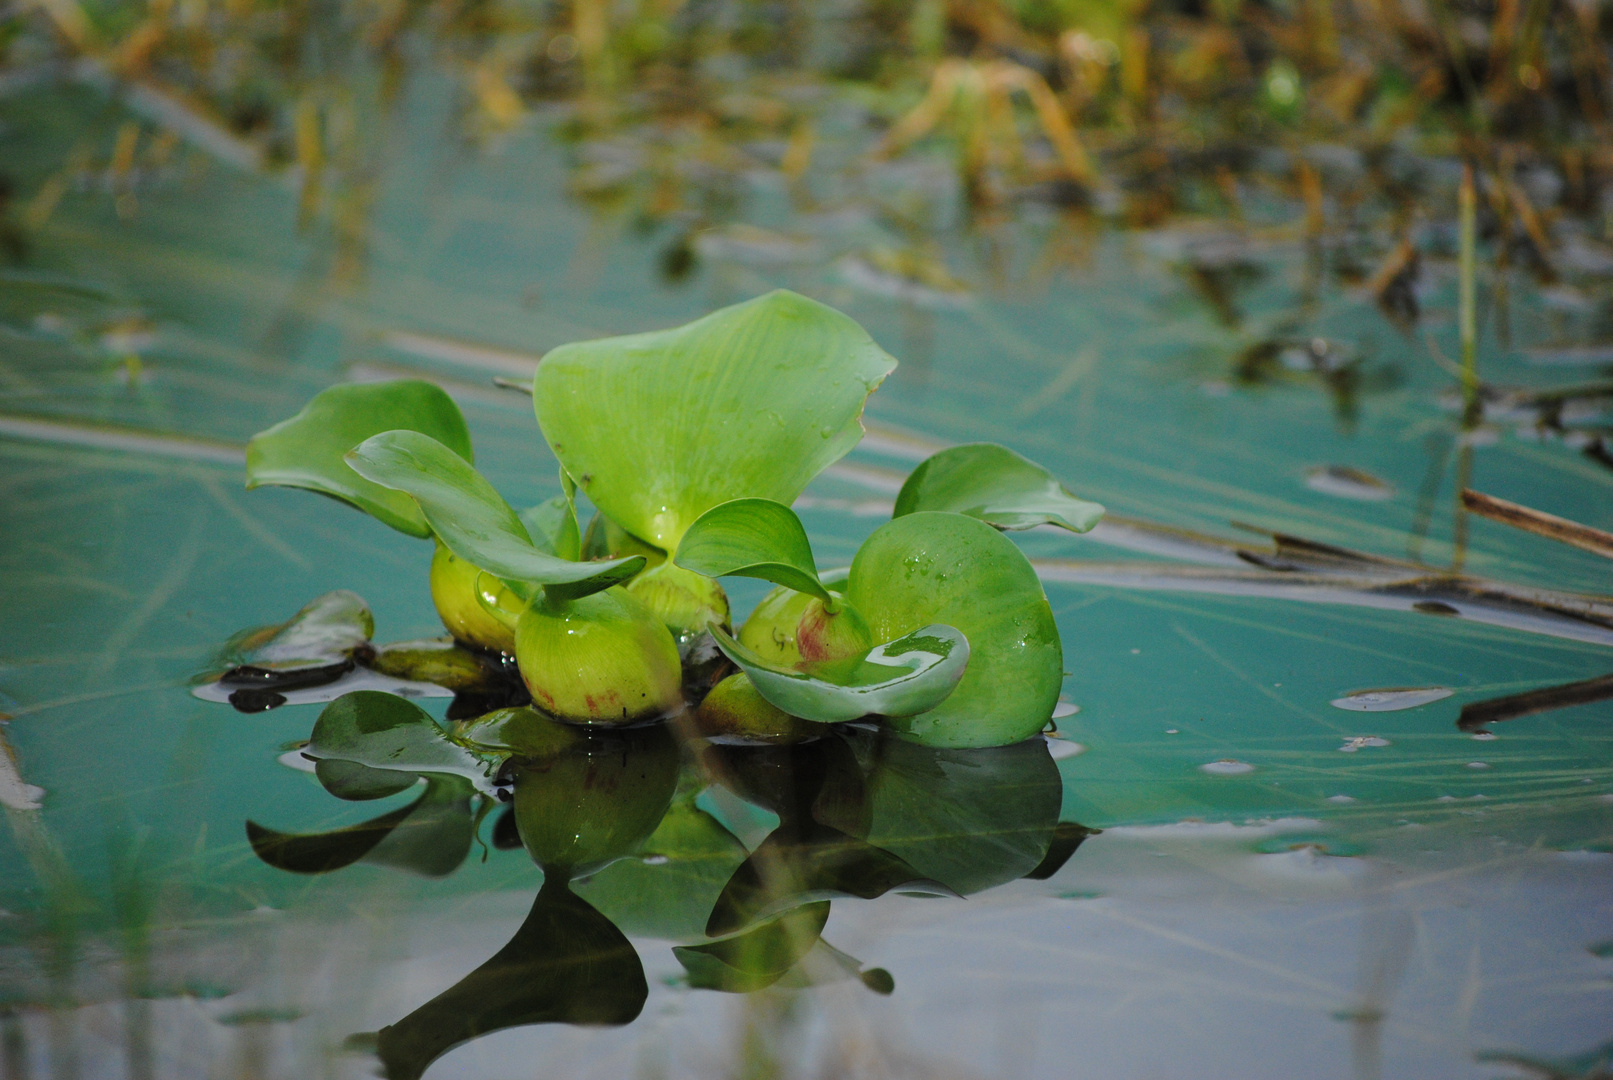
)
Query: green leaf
[
  {"x": 910, "y": 675},
  {"x": 757, "y": 958},
  {"x": 926, "y": 568},
  {"x": 552, "y": 524},
  {"x": 750, "y": 401},
  {"x": 472, "y": 518},
  {"x": 386, "y": 732},
  {"x": 307, "y": 451},
  {"x": 756, "y": 538},
  {"x": 996, "y": 485}
]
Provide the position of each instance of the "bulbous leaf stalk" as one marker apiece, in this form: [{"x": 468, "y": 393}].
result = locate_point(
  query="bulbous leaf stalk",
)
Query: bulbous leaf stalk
[
  {"x": 686, "y": 601},
  {"x": 463, "y": 594},
  {"x": 600, "y": 659}
]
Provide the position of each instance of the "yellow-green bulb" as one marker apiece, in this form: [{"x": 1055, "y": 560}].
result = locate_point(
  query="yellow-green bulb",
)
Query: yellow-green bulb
[
  {"x": 601, "y": 659},
  {"x": 686, "y": 601},
  {"x": 454, "y": 588},
  {"x": 770, "y": 630},
  {"x": 736, "y": 710},
  {"x": 825, "y": 635}
]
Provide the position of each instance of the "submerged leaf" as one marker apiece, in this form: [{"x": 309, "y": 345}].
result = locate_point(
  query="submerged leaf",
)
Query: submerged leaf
[
  {"x": 996, "y": 485},
  {"x": 756, "y": 538},
  {"x": 752, "y": 400},
  {"x": 320, "y": 853},
  {"x": 910, "y": 675},
  {"x": 307, "y": 451},
  {"x": 758, "y": 957},
  {"x": 472, "y": 518}
]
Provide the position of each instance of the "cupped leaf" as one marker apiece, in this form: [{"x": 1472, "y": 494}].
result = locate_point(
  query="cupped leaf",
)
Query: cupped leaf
[
  {"x": 313, "y": 647},
  {"x": 385, "y": 732},
  {"x": 472, "y": 518},
  {"x": 912, "y": 674},
  {"x": 929, "y": 567},
  {"x": 753, "y": 400},
  {"x": 307, "y": 451},
  {"x": 756, "y": 538},
  {"x": 996, "y": 485}
]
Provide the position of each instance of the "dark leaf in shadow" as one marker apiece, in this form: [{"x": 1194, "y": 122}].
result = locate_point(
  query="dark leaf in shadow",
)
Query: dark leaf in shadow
[
  {"x": 436, "y": 836},
  {"x": 567, "y": 964}
]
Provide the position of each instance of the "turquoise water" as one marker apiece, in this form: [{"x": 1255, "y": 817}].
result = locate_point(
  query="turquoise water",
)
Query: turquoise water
[{"x": 1355, "y": 894}]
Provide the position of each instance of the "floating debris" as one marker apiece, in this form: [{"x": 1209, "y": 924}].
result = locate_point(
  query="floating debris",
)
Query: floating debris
[
  {"x": 1227, "y": 767},
  {"x": 1391, "y": 699},
  {"x": 1478, "y": 765},
  {"x": 15, "y": 794},
  {"x": 1348, "y": 483},
  {"x": 1341, "y": 799},
  {"x": 1481, "y": 714},
  {"x": 1360, "y": 742}
]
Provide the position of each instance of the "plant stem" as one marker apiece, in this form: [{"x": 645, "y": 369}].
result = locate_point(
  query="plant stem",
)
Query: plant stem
[{"x": 1467, "y": 272}]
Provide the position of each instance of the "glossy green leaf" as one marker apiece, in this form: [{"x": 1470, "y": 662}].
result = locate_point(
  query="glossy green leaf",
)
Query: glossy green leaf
[
  {"x": 552, "y": 525},
  {"x": 910, "y": 675},
  {"x": 750, "y": 401},
  {"x": 996, "y": 485},
  {"x": 756, "y": 538},
  {"x": 472, "y": 518},
  {"x": 308, "y": 450},
  {"x": 384, "y": 731},
  {"x": 928, "y": 568}
]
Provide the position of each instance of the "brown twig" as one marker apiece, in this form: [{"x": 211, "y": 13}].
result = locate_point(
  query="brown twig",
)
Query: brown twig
[
  {"x": 1479, "y": 714},
  {"x": 1538, "y": 522}
]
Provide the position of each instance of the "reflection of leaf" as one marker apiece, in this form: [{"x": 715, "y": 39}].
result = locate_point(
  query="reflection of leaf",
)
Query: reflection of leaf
[
  {"x": 927, "y": 568},
  {"x": 752, "y": 400},
  {"x": 969, "y": 818},
  {"x": 320, "y": 853},
  {"x": 758, "y": 957},
  {"x": 357, "y": 783},
  {"x": 756, "y": 538},
  {"x": 910, "y": 675},
  {"x": 792, "y": 868},
  {"x": 435, "y": 839},
  {"x": 567, "y": 964},
  {"x": 997, "y": 486},
  {"x": 307, "y": 450},
  {"x": 383, "y": 731},
  {"x": 430, "y": 836},
  {"x": 1067, "y": 837},
  {"x": 669, "y": 889},
  {"x": 472, "y": 518}
]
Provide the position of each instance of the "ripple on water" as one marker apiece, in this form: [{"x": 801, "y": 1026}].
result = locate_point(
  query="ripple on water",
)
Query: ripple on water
[{"x": 1391, "y": 699}]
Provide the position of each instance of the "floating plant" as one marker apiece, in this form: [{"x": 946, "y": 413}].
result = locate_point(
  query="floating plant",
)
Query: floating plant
[{"x": 691, "y": 443}]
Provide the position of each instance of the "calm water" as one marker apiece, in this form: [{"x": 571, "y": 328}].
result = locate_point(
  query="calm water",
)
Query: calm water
[{"x": 1282, "y": 886}]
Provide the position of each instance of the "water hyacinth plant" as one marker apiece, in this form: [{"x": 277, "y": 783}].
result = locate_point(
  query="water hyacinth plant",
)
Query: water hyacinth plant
[{"x": 691, "y": 444}]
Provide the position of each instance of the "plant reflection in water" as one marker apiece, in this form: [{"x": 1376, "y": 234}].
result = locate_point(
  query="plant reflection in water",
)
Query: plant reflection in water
[{"x": 613, "y": 816}]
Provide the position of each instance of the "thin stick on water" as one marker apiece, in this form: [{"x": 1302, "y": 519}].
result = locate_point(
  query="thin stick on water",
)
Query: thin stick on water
[
  {"x": 1467, "y": 306},
  {"x": 506, "y": 383},
  {"x": 1467, "y": 326},
  {"x": 1539, "y": 522}
]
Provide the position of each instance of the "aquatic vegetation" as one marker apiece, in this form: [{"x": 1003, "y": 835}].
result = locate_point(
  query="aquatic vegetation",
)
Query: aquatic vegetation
[{"x": 690, "y": 443}]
